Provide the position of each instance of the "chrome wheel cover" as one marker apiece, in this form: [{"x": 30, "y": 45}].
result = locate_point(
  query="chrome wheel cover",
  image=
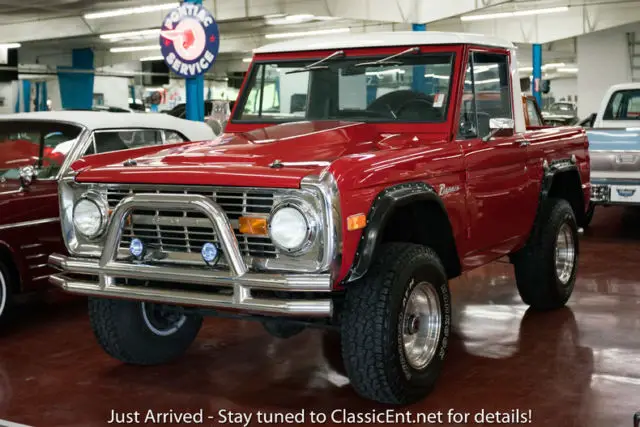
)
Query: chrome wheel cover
[
  {"x": 161, "y": 322},
  {"x": 421, "y": 325},
  {"x": 3, "y": 293},
  {"x": 565, "y": 253}
]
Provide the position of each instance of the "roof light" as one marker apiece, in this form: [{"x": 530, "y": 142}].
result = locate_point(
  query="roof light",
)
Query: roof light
[
  {"x": 134, "y": 48},
  {"x": 131, "y": 34},
  {"x": 307, "y": 33},
  {"x": 10, "y": 45},
  {"x": 152, "y": 58},
  {"x": 517, "y": 13},
  {"x": 131, "y": 11}
]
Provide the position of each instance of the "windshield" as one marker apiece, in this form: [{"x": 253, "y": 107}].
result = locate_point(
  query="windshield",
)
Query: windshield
[
  {"x": 562, "y": 108},
  {"x": 412, "y": 88},
  {"x": 43, "y": 145}
]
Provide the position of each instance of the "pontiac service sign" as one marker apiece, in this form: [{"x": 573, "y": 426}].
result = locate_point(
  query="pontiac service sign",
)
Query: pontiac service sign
[{"x": 189, "y": 40}]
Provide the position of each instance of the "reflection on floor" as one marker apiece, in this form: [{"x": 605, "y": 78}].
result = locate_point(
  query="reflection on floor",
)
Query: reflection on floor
[{"x": 574, "y": 367}]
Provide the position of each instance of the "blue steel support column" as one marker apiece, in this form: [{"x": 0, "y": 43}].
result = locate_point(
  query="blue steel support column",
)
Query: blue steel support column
[
  {"x": 420, "y": 82},
  {"x": 536, "y": 85},
  {"x": 195, "y": 91}
]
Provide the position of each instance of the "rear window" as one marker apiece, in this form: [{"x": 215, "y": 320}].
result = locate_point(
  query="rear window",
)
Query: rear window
[{"x": 623, "y": 105}]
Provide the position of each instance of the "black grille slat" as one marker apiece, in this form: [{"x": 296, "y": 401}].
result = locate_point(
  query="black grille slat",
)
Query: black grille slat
[{"x": 182, "y": 236}]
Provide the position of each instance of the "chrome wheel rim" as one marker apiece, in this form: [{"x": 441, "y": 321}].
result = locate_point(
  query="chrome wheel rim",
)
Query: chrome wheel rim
[
  {"x": 160, "y": 321},
  {"x": 565, "y": 253},
  {"x": 421, "y": 325}
]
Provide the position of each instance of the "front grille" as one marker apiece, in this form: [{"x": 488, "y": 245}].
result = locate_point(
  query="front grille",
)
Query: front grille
[{"x": 188, "y": 231}]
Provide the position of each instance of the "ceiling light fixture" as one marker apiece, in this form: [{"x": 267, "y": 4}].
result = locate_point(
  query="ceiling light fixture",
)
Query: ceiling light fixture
[
  {"x": 553, "y": 65},
  {"x": 290, "y": 19},
  {"x": 131, "y": 11},
  {"x": 134, "y": 48},
  {"x": 517, "y": 13},
  {"x": 247, "y": 60},
  {"x": 568, "y": 70},
  {"x": 152, "y": 58},
  {"x": 10, "y": 45},
  {"x": 384, "y": 72},
  {"x": 307, "y": 33},
  {"x": 525, "y": 69},
  {"x": 131, "y": 34},
  {"x": 481, "y": 82}
]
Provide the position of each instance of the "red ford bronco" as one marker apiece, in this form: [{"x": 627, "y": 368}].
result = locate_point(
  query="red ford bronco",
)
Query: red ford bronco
[{"x": 356, "y": 177}]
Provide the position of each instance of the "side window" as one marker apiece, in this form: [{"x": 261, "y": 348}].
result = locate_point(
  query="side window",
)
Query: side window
[
  {"x": 172, "y": 137},
  {"x": 534, "y": 119},
  {"x": 489, "y": 93},
  {"x": 108, "y": 141}
]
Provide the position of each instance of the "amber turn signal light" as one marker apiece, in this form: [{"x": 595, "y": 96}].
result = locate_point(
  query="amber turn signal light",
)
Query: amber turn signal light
[
  {"x": 254, "y": 226},
  {"x": 356, "y": 222}
]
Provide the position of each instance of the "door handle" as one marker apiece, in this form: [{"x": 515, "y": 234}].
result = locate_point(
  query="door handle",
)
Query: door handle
[{"x": 523, "y": 142}]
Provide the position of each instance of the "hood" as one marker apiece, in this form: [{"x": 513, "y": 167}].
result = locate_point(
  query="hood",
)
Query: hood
[{"x": 247, "y": 159}]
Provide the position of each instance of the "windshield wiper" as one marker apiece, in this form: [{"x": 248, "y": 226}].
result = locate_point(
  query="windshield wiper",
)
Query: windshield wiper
[
  {"x": 317, "y": 65},
  {"x": 388, "y": 60}
]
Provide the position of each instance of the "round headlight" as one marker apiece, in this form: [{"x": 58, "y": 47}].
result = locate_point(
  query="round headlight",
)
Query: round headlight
[
  {"x": 290, "y": 229},
  {"x": 89, "y": 218}
]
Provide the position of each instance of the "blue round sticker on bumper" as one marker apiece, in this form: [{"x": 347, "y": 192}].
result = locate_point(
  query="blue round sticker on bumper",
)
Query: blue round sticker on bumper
[{"x": 189, "y": 40}]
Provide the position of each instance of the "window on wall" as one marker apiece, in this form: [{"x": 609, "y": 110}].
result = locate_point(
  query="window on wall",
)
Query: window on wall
[
  {"x": 487, "y": 94},
  {"x": 623, "y": 105}
]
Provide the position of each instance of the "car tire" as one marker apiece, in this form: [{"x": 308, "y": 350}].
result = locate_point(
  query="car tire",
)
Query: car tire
[
  {"x": 403, "y": 303},
  {"x": 546, "y": 267},
  {"x": 7, "y": 286},
  {"x": 282, "y": 329},
  {"x": 141, "y": 333}
]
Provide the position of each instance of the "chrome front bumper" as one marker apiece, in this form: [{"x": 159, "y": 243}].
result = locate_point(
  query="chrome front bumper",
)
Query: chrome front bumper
[{"x": 232, "y": 289}]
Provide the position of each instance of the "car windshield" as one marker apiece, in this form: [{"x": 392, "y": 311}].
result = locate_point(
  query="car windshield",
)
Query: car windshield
[
  {"x": 41, "y": 144},
  {"x": 409, "y": 88},
  {"x": 562, "y": 108}
]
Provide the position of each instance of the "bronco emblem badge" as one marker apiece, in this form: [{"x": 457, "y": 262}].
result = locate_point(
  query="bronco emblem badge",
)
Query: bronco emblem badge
[{"x": 444, "y": 190}]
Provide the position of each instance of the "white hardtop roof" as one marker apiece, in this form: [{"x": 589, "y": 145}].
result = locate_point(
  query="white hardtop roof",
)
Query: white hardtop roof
[
  {"x": 624, "y": 86},
  {"x": 388, "y": 39},
  {"x": 96, "y": 120}
]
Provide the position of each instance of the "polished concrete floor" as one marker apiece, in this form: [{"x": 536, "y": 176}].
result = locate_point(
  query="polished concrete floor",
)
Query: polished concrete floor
[{"x": 576, "y": 367}]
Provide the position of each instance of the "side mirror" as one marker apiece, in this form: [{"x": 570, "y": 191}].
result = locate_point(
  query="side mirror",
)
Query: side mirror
[
  {"x": 499, "y": 125},
  {"x": 27, "y": 175}
]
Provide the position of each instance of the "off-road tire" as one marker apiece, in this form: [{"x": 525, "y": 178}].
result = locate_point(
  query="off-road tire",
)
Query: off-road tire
[
  {"x": 371, "y": 331},
  {"x": 282, "y": 329},
  {"x": 121, "y": 330},
  {"x": 534, "y": 265},
  {"x": 7, "y": 286}
]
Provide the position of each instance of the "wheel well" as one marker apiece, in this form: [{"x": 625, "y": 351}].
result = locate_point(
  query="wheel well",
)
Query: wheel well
[
  {"x": 7, "y": 258},
  {"x": 567, "y": 186},
  {"x": 424, "y": 223}
]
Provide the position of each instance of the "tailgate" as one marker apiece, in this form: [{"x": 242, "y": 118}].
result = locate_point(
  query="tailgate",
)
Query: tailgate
[{"x": 615, "y": 153}]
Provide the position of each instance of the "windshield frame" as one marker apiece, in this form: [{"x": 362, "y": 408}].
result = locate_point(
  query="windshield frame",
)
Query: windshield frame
[{"x": 352, "y": 54}]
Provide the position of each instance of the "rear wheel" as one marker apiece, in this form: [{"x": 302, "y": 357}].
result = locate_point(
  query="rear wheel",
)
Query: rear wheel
[
  {"x": 142, "y": 333},
  {"x": 395, "y": 325},
  {"x": 6, "y": 286},
  {"x": 546, "y": 267}
]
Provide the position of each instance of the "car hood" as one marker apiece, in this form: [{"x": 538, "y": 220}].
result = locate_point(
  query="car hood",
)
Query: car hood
[{"x": 276, "y": 156}]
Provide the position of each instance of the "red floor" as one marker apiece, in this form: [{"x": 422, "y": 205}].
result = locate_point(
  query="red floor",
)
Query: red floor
[{"x": 576, "y": 367}]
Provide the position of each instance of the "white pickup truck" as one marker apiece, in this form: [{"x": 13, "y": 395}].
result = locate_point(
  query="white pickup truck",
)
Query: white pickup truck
[{"x": 614, "y": 147}]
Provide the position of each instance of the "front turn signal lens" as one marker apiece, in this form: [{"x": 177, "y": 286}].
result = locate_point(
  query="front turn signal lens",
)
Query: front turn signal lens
[
  {"x": 356, "y": 222},
  {"x": 253, "y": 226}
]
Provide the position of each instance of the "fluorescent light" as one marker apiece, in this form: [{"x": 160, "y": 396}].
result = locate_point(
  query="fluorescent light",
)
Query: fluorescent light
[
  {"x": 517, "y": 13},
  {"x": 487, "y": 81},
  {"x": 553, "y": 65},
  {"x": 436, "y": 76},
  {"x": 134, "y": 48},
  {"x": 307, "y": 33},
  {"x": 247, "y": 60},
  {"x": 525, "y": 69},
  {"x": 131, "y": 34},
  {"x": 131, "y": 11},
  {"x": 10, "y": 45},
  {"x": 379, "y": 73},
  {"x": 290, "y": 19},
  {"x": 568, "y": 70},
  {"x": 152, "y": 58}
]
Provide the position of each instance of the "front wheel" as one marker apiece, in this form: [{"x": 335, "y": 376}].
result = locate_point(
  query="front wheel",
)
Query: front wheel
[
  {"x": 395, "y": 325},
  {"x": 142, "y": 333},
  {"x": 546, "y": 267},
  {"x": 6, "y": 284}
]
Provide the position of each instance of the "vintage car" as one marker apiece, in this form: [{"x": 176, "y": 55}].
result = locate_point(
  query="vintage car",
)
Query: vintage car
[
  {"x": 561, "y": 114},
  {"x": 37, "y": 149},
  {"x": 352, "y": 214},
  {"x": 614, "y": 147}
]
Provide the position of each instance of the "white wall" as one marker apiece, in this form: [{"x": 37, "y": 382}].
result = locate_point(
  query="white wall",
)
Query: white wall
[
  {"x": 8, "y": 91},
  {"x": 114, "y": 89},
  {"x": 563, "y": 88},
  {"x": 603, "y": 60}
]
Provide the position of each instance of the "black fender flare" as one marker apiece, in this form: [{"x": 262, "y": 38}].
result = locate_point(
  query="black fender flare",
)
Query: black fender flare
[
  {"x": 381, "y": 210},
  {"x": 551, "y": 171}
]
